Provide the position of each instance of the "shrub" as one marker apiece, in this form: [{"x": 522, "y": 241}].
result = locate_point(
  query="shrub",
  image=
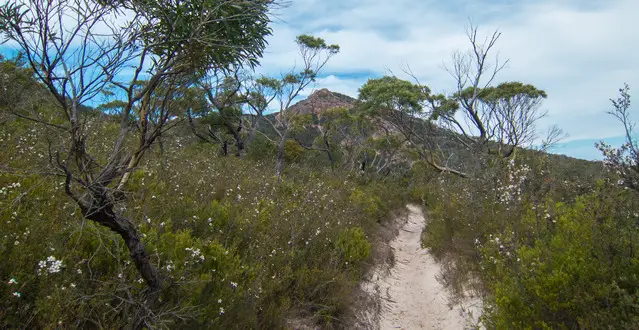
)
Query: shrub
[{"x": 353, "y": 245}]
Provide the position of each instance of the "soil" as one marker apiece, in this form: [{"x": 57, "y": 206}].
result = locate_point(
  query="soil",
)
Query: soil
[{"x": 410, "y": 297}]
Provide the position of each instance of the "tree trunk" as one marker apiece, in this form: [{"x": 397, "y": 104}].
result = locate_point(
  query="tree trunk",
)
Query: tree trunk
[
  {"x": 98, "y": 208},
  {"x": 225, "y": 148},
  {"x": 251, "y": 136},
  {"x": 279, "y": 164},
  {"x": 329, "y": 153},
  {"x": 239, "y": 143}
]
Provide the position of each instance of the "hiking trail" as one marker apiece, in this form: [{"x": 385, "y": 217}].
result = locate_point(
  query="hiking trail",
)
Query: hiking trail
[{"x": 410, "y": 295}]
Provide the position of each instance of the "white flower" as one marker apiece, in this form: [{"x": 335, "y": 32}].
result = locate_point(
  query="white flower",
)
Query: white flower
[
  {"x": 219, "y": 301},
  {"x": 50, "y": 266},
  {"x": 13, "y": 281},
  {"x": 17, "y": 294},
  {"x": 234, "y": 285},
  {"x": 195, "y": 253},
  {"x": 221, "y": 310}
]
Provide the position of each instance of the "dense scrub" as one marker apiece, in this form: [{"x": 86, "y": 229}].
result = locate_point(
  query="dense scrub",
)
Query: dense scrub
[
  {"x": 240, "y": 250},
  {"x": 132, "y": 213},
  {"x": 544, "y": 251}
]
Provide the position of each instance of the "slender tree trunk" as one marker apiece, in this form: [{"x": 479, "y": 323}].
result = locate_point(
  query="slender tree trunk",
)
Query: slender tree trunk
[
  {"x": 135, "y": 159},
  {"x": 279, "y": 164},
  {"x": 239, "y": 143},
  {"x": 99, "y": 208},
  {"x": 329, "y": 153},
  {"x": 225, "y": 148},
  {"x": 251, "y": 136}
]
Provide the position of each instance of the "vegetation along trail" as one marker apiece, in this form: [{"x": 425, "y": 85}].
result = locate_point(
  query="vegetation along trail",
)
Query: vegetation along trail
[{"x": 411, "y": 296}]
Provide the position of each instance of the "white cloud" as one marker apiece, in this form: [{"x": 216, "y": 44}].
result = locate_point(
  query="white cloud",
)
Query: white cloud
[{"x": 580, "y": 52}]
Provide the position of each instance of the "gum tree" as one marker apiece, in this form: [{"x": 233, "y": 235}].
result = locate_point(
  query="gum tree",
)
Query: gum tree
[
  {"x": 149, "y": 52},
  {"x": 315, "y": 54},
  {"x": 479, "y": 118},
  {"x": 625, "y": 159}
]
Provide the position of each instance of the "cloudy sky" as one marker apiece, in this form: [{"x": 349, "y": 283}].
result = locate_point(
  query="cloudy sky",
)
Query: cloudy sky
[{"x": 579, "y": 51}]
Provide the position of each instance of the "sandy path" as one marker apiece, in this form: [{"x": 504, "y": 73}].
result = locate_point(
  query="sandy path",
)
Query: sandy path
[{"x": 411, "y": 297}]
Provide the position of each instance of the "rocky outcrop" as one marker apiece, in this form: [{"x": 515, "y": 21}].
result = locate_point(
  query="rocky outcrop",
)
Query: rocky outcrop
[{"x": 321, "y": 101}]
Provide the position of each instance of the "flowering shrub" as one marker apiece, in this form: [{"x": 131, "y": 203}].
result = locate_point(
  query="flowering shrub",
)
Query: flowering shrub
[
  {"x": 578, "y": 272},
  {"x": 353, "y": 245},
  {"x": 234, "y": 247},
  {"x": 540, "y": 251}
]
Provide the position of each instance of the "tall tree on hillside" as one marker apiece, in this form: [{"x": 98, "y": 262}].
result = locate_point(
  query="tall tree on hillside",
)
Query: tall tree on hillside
[
  {"x": 407, "y": 109},
  {"x": 505, "y": 114},
  {"x": 76, "y": 48},
  {"x": 315, "y": 54},
  {"x": 480, "y": 118},
  {"x": 625, "y": 159},
  {"x": 221, "y": 112}
]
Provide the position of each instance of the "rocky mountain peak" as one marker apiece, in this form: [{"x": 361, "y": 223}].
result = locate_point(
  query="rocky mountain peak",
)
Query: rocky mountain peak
[{"x": 322, "y": 100}]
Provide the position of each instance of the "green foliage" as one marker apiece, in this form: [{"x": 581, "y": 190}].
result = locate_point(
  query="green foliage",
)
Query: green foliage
[
  {"x": 238, "y": 249},
  {"x": 581, "y": 271},
  {"x": 293, "y": 152},
  {"x": 511, "y": 92},
  {"x": 371, "y": 204},
  {"x": 353, "y": 245},
  {"x": 316, "y": 43},
  {"x": 393, "y": 93},
  {"x": 203, "y": 32},
  {"x": 537, "y": 262},
  {"x": 261, "y": 148}
]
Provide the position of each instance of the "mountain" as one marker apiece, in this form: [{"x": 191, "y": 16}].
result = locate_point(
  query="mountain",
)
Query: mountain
[{"x": 321, "y": 101}]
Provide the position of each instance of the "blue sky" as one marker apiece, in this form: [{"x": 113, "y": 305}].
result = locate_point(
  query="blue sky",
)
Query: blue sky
[{"x": 579, "y": 51}]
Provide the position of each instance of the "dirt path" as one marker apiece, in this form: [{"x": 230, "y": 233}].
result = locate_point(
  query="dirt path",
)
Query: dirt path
[{"x": 411, "y": 297}]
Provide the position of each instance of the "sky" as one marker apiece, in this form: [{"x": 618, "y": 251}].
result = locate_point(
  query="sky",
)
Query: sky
[{"x": 579, "y": 51}]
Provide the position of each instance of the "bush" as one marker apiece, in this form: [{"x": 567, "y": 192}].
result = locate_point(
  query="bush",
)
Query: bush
[
  {"x": 237, "y": 249},
  {"x": 353, "y": 245}
]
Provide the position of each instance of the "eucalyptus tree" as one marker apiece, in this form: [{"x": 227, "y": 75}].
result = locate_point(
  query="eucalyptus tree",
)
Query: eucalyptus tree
[
  {"x": 315, "y": 53},
  {"x": 506, "y": 114},
  {"x": 479, "y": 117},
  {"x": 406, "y": 109},
  {"x": 150, "y": 53},
  {"x": 625, "y": 159}
]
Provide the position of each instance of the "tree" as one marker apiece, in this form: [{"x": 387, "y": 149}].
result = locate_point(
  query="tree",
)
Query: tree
[
  {"x": 505, "y": 114},
  {"x": 407, "y": 109},
  {"x": 150, "y": 52},
  {"x": 478, "y": 118},
  {"x": 222, "y": 110},
  {"x": 315, "y": 54},
  {"x": 509, "y": 112},
  {"x": 625, "y": 159},
  {"x": 327, "y": 124}
]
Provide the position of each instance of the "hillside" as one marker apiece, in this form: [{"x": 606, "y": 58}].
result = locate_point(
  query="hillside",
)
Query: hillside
[
  {"x": 322, "y": 100},
  {"x": 144, "y": 184}
]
